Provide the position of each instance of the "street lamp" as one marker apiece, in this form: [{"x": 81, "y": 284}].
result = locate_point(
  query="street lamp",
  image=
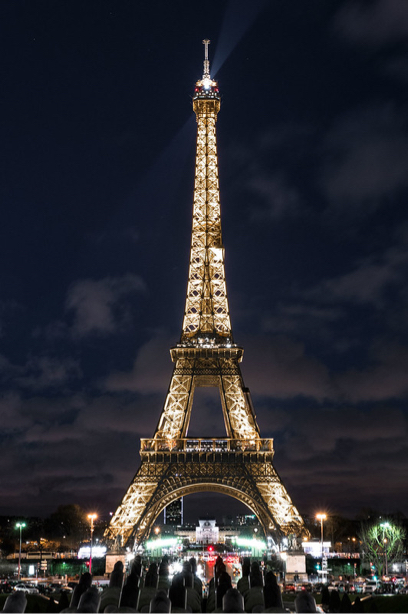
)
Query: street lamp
[
  {"x": 21, "y": 526},
  {"x": 91, "y": 517},
  {"x": 385, "y": 525},
  {"x": 322, "y": 517}
]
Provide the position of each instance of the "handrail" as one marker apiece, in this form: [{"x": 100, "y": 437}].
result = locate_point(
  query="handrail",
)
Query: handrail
[{"x": 193, "y": 444}]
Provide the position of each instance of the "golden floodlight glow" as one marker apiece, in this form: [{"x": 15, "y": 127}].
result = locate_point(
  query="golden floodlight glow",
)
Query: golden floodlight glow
[{"x": 174, "y": 465}]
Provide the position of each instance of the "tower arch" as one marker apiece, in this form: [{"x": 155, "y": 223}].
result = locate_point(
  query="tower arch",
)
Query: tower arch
[{"x": 191, "y": 488}]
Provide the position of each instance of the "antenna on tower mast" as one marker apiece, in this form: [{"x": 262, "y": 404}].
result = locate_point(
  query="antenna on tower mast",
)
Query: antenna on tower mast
[{"x": 206, "y": 74}]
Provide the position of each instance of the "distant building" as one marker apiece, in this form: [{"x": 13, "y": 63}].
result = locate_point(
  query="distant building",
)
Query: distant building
[
  {"x": 314, "y": 548},
  {"x": 207, "y": 532},
  {"x": 229, "y": 520},
  {"x": 247, "y": 519},
  {"x": 173, "y": 513}
]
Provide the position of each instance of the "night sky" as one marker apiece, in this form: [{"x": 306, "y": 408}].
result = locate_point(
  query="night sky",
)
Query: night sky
[{"x": 97, "y": 171}]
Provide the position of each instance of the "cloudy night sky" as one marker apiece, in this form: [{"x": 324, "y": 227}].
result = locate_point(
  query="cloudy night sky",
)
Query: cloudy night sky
[{"x": 97, "y": 171}]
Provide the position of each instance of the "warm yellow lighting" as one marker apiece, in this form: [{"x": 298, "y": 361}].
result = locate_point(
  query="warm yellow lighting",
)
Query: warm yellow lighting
[
  {"x": 321, "y": 516},
  {"x": 92, "y": 516},
  {"x": 205, "y": 356}
]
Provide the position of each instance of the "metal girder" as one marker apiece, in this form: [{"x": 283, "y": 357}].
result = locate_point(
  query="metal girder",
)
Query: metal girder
[
  {"x": 250, "y": 478},
  {"x": 206, "y": 310},
  {"x": 173, "y": 465}
]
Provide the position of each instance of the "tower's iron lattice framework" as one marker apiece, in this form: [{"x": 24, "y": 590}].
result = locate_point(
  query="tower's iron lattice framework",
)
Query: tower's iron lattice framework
[{"x": 174, "y": 465}]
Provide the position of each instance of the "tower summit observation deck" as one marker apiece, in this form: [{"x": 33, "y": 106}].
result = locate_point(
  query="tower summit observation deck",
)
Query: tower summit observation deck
[{"x": 174, "y": 465}]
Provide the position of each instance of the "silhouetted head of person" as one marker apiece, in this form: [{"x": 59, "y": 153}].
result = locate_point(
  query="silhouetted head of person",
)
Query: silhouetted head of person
[
  {"x": 160, "y": 602},
  {"x": 90, "y": 600},
  {"x": 130, "y": 590},
  {"x": 151, "y": 576},
  {"x": 85, "y": 581},
  {"x": 255, "y": 575},
  {"x": 164, "y": 569},
  {"x": 116, "y": 579},
  {"x": 270, "y": 579},
  {"x": 220, "y": 569},
  {"x": 219, "y": 565},
  {"x": 357, "y": 605},
  {"x": 136, "y": 568},
  {"x": 272, "y": 591},
  {"x": 16, "y": 602},
  {"x": 233, "y": 601},
  {"x": 334, "y": 601},
  {"x": 246, "y": 566},
  {"x": 193, "y": 564},
  {"x": 325, "y": 595},
  {"x": 224, "y": 584},
  {"x": 225, "y": 578},
  {"x": 305, "y": 603},
  {"x": 187, "y": 574},
  {"x": 177, "y": 593}
]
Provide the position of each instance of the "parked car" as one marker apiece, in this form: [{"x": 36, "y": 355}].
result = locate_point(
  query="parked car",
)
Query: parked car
[
  {"x": 305, "y": 586},
  {"x": 289, "y": 588},
  {"x": 26, "y": 588},
  {"x": 63, "y": 587},
  {"x": 370, "y": 586}
]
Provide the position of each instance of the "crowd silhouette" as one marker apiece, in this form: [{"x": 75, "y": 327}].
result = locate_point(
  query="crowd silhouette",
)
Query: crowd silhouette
[{"x": 153, "y": 591}]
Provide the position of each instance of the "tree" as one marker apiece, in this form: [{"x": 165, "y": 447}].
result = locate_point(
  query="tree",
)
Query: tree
[
  {"x": 67, "y": 525},
  {"x": 7, "y": 546},
  {"x": 382, "y": 543}
]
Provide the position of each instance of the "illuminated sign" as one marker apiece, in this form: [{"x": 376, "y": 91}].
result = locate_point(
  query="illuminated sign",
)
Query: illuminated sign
[{"x": 97, "y": 552}]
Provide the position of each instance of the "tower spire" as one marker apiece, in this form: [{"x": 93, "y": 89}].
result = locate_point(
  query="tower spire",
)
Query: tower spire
[{"x": 206, "y": 74}]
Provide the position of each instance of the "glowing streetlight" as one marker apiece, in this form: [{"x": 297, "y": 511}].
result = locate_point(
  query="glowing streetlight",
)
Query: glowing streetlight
[
  {"x": 91, "y": 517},
  {"x": 21, "y": 526},
  {"x": 385, "y": 525},
  {"x": 322, "y": 517}
]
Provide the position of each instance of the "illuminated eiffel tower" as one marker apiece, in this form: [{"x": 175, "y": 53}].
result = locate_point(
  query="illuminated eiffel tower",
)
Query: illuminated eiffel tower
[{"x": 174, "y": 465}]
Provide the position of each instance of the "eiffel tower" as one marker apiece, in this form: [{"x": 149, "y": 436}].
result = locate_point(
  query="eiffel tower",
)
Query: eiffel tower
[{"x": 172, "y": 464}]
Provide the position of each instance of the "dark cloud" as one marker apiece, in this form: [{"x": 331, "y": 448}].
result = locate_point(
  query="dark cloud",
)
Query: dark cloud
[
  {"x": 71, "y": 446},
  {"x": 96, "y": 305},
  {"x": 151, "y": 370},
  {"x": 42, "y": 372},
  {"x": 267, "y": 166},
  {"x": 385, "y": 378},
  {"x": 368, "y": 282},
  {"x": 279, "y": 199},
  {"x": 397, "y": 67},
  {"x": 281, "y": 367},
  {"x": 296, "y": 317},
  {"x": 366, "y": 159},
  {"x": 373, "y": 23}
]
